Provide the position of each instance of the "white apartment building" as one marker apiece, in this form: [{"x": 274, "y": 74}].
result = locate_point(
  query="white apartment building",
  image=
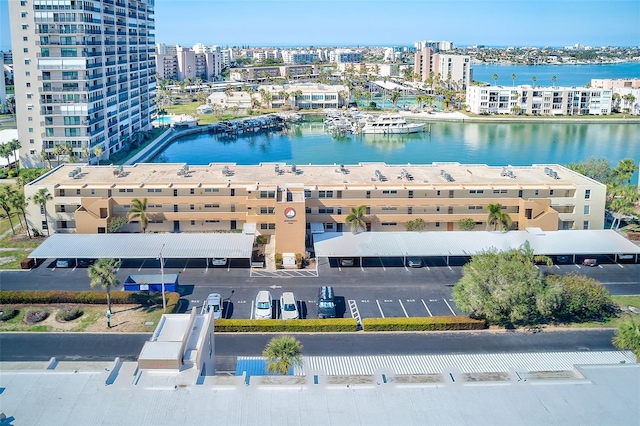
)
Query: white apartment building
[
  {"x": 453, "y": 68},
  {"x": 166, "y": 49},
  {"x": 628, "y": 90},
  {"x": 303, "y": 96},
  {"x": 347, "y": 56},
  {"x": 437, "y": 46},
  {"x": 531, "y": 100},
  {"x": 84, "y": 75},
  {"x": 374, "y": 69},
  {"x": 205, "y": 64},
  {"x": 256, "y": 74}
]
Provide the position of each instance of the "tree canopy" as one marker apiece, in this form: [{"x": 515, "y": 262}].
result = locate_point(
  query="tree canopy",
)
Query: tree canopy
[{"x": 505, "y": 287}]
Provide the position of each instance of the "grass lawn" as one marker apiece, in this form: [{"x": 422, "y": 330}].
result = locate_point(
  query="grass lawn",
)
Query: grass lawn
[
  {"x": 125, "y": 318},
  {"x": 623, "y": 302},
  {"x": 11, "y": 259}
]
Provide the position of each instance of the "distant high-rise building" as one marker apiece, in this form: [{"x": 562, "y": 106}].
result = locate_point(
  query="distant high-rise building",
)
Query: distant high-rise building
[
  {"x": 437, "y": 46},
  {"x": 453, "y": 68},
  {"x": 178, "y": 63},
  {"x": 84, "y": 77}
]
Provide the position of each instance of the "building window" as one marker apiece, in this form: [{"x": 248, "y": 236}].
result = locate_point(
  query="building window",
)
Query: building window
[
  {"x": 386, "y": 191},
  {"x": 587, "y": 194},
  {"x": 267, "y": 194},
  {"x": 192, "y": 207},
  {"x": 585, "y": 224},
  {"x": 266, "y": 210},
  {"x": 437, "y": 224},
  {"x": 192, "y": 191},
  {"x": 25, "y": 38},
  {"x": 93, "y": 191},
  {"x": 438, "y": 193},
  {"x": 307, "y": 193},
  {"x": 193, "y": 222},
  {"x": 154, "y": 189},
  {"x": 45, "y": 224},
  {"x": 325, "y": 210},
  {"x": 125, "y": 190},
  {"x": 212, "y": 206},
  {"x": 77, "y": 192},
  {"x": 587, "y": 209},
  {"x": 24, "y": 26},
  {"x": 551, "y": 192},
  {"x": 389, "y": 223},
  {"x": 537, "y": 192},
  {"x": 31, "y": 131},
  {"x": 25, "y": 50},
  {"x": 212, "y": 190},
  {"x": 270, "y": 226},
  {"x": 481, "y": 191}
]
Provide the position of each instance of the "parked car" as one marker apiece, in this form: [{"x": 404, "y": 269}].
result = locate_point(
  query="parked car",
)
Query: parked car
[
  {"x": 326, "y": 302},
  {"x": 213, "y": 303},
  {"x": 86, "y": 262},
  {"x": 218, "y": 261},
  {"x": 590, "y": 262},
  {"x": 414, "y": 262},
  {"x": 562, "y": 259},
  {"x": 346, "y": 262},
  {"x": 65, "y": 263},
  {"x": 263, "y": 305},
  {"x": 288, "y": 306}
]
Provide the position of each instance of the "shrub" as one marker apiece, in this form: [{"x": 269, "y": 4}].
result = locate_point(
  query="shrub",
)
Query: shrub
[
  {"x": 8, "y": 314},
  {"x": 3, "y": 174},
  {"x": 278, "y": 259},
  {"x": 86, "y": 297},
  {"x": 305, "y": 325},
  {"x": 69, "y": 314},
  {"x": 422, "y": 324},
  {"x": 299, "y": 260},
  {"x": 32, "y": 317},
  {"x": 12, "y": 173},
  {"x": 261, "y": 239}
]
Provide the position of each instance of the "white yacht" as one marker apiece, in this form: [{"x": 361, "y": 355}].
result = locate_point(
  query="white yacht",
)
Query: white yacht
[{"x": 390, "y": 124}]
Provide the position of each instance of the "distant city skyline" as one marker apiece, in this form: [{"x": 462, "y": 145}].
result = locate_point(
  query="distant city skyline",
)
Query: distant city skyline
[{"x": 390, "y": 23}]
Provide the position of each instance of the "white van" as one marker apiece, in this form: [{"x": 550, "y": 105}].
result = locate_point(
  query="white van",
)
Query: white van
[{"x": 214, "y": 303}]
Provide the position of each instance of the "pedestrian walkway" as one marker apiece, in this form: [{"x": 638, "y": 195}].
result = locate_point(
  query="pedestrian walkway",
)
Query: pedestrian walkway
[{"x": 270, "y": 271}]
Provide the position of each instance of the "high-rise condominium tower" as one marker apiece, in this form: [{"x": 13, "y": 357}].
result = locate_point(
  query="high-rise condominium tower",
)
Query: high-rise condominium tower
[{"x": 84, "y": 76}]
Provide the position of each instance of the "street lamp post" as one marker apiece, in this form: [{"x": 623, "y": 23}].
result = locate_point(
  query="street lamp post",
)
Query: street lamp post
[{"x": 164, "y": 299}]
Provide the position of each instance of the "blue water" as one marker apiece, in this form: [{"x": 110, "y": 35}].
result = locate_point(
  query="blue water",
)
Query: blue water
[
  {"x": 483, "y": 143},
  {"x": 567, "y": 75}
]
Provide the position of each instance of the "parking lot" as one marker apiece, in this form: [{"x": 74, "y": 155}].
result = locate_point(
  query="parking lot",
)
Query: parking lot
[{"x": 377, "y": 289}]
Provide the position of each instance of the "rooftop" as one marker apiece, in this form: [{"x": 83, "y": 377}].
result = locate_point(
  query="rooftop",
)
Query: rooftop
[
  {"x": 81, "y": 394},
  {"x": 418, "y": 176}
]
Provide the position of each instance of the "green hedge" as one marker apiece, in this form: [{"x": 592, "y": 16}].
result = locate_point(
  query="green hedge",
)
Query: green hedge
[
  {"x": 422, "y": 324},
  {"x": 8, "y": 297},
  {"x": 303, "y": 326}
]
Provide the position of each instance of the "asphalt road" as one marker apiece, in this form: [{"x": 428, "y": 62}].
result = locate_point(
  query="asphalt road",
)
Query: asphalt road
[{"x": 106, "y": 347}]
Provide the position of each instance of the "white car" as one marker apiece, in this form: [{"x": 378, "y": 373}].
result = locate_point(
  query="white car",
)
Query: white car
[
  {"x": 214, "y": 303},
  {"x": 263, "y": 305},
  {"x": 288, "y": 306},
  {"x": 218, "y": 261}
]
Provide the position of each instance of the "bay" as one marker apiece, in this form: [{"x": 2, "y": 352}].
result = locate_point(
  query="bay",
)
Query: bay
[
  {"x": 567, "y": 75},
  {"x": 472, "y": 143}
]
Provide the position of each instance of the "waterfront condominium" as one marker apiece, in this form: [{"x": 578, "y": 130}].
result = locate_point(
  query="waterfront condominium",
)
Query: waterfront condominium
[
  {"x": 293, "y": 201},
  {"x": 533, "y": 100},
  {"x": 84, "y": 76},
  {"x": 452, "y": 69}
]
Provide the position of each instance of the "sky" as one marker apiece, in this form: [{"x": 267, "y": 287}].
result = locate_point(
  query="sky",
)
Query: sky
[{"x": 390, "y": 22}]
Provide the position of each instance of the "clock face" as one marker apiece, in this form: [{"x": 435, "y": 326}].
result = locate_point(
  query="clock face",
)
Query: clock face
[{"x": 289, "y": 212}]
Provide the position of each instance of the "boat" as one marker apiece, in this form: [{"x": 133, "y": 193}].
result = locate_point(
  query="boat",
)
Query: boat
[{"x": 390, "y": 124}]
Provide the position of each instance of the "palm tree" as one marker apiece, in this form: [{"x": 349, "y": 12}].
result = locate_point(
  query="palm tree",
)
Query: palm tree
[
  {"x": 6, "y": 194},
  {"x": 103, "y": 274},
  {"x": 5, "y": 151},
  {"x": 355, "y": 218},
  {"x": 15, "y": 146},
  {"x": 628, "y": 337},
  {"x": 553, "y": 80},
  {"x": 44, "y": 157},
  {"x": 139, "y": 211},
  {"x": 97, "y": 151},
  {"x": 533, "y": 80},
  {"x": 20, "y": 202},
  {"x": 42, "y": 197},
  {"x": 395, "y": 95},
  {"x": 57, "y": 151},
  {"x": 625, "y": 169},
  {"x": 285, "y": 97},
  {"x": 513, "y": 79},
  {"x": 282, "y": 353},
  {"x": 496, "y": 216}
]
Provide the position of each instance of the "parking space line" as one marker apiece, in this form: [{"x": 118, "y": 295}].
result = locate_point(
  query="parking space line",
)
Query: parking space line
[
  {"x": 578, "y": 266},
  {"x": 427, "y": 266},
  {"x": 449, "y": 306},
  {"x": 600, "y": 266},
  {"x": 405, "y": 268},
  {"x": 403, "y": 309},
  {"x": 620, "y": 265},
  {"x": 427, "y": 308},
  {"x": 355, "y": 313},
  {"x": 185, "y": 265},
  {"x": 449, "y": 268},
  {"x": 141, "y": 265},
  {"x": 251, "y": 313},
  {"x": 557, "y": 267},
  {"x": 382, "y": 263},
  {"x": 380, "y": 308}
]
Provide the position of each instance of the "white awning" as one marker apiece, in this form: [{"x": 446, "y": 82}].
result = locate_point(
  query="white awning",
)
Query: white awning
[{"x": 249, "y": 228}]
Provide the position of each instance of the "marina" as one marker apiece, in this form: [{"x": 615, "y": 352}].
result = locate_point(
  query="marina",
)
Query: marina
[{"x": 353, "y": 121}]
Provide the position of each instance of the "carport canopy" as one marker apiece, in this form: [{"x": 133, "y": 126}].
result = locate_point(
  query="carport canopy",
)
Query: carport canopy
[
  {"x": 468, "y": 243},
  {"x": 144, "y": 246}
]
